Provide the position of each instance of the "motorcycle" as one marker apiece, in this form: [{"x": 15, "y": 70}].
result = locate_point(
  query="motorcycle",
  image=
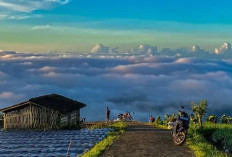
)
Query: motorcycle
[
  {"x": 180, "y": 128},
  {"x": 125, "y": 117}
]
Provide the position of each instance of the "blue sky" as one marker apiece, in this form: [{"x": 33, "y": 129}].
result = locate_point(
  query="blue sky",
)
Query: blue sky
[{"x": 77, "y": 25}]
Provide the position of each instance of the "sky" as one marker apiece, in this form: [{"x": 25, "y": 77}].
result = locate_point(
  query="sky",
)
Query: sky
[
  {"x": 148, "y": 57},
  {"x": 76, "y": 25}
]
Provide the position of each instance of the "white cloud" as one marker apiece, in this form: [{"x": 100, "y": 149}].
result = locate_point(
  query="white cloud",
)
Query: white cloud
[
  {"x": 6, "y": 95},
  {"x": 21, "y": 16},
  {"x": 41, "y": 27},
  {"x": 10, "y": 95},
  {"x": 226, "y": 47},
  {"x": 149, "y": 50},
  {"x": 3, "y": 16},
  {"x": 196, "y": 48},
  {"x": 27, "y": 6},
  {"x": 144, "y": 50},
  {"x": 101, "y": 49}
]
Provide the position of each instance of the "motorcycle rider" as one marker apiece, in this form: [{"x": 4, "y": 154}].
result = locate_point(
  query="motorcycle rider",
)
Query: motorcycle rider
[{"x": 183, "y": 119}]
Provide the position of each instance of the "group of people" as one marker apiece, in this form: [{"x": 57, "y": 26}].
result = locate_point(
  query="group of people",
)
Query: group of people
[
  {"x": 125, "y": 117},
  {"x": 127, "y": 114}
]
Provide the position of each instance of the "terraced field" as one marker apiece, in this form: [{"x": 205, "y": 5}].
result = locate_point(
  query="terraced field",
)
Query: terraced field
[{"x": 49, "y": 143}]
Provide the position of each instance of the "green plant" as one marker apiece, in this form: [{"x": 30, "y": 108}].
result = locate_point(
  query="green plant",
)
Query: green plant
[
  {"x": 100, "y": 147},
  {"x": 158, "y": 120},
  {"x": 210, "y": 139},
  {"x": 169, "y": 118},
  {"x": 212, "y": 118},
  {"x": 98, "y": 125},
  {"x": 118, "y": 125},
  {"x": 229, "y": 119},
  {"x": 224, "y": 119},
  {"x": 199, "y": 108}
]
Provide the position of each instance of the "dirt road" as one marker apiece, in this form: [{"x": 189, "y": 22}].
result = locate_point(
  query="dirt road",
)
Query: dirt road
[{"x": 141, "y": 140}]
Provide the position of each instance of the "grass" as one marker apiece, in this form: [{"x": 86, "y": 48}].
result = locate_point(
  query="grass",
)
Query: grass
[
  {"x": 100, "y": 147},
  {"x": 156, "y": 125},
  {"x": 210, "y": 139},
  {"x": 99, "y": 125}
]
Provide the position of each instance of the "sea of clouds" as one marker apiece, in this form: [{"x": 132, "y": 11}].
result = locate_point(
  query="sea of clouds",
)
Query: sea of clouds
[{"x": 142, "y": 84}]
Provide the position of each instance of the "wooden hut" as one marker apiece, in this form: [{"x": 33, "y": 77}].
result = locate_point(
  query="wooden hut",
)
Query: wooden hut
[
  {"x": 44, "y": 112},
  {"x": 1, "y": 121}
]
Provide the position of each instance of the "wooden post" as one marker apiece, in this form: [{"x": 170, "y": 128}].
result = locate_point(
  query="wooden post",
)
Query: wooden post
[{"x": 5, "y": 121}]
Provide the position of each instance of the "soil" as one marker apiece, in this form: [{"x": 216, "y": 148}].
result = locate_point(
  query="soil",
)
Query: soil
[{"x": 141, "y": 140}]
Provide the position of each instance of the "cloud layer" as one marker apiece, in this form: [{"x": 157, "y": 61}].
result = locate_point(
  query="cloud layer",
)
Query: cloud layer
[
  {"x": 142, "y": 84},
  {"x": 223, "y": 52}
]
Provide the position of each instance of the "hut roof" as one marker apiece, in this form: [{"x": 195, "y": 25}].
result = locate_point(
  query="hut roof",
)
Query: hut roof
[{"x": 54, "y": 101}]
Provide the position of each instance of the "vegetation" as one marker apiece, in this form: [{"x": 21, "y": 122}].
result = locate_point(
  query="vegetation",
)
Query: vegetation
[
  {"x": 100, "y": 147},
  {"x": 226, "y": 120},
  {"x": 199, "y": 108},
  {"x": 212, "y": 119},
  {"x": 210, "y": 140},
  {"x": 118, "y": 126},
  {"x": 99, "y": 125},
  {"x": 158, "y": 120},
  {"x": 170, "y": 118}
]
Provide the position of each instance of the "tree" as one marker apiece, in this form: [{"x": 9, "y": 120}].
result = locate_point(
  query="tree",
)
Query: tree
[
  {"x": 212, "y": 118},
  {"x": 224, "y": 119},
  {"x": 158, "y": 120},
  {"x": 199, "y": 108},
  {"x": 229, "y": 119},
  {"x": 193, "y": 118}
]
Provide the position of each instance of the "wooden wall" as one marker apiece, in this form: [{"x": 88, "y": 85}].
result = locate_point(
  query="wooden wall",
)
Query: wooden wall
[
  {"x": 1, "y": 123},
  {"x": 36, "y": 117},
  {"x": 70, "y": 119}
]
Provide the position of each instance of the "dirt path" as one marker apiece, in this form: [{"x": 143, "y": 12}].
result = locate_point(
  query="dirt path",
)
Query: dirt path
[{"x": 141, "y": 140}]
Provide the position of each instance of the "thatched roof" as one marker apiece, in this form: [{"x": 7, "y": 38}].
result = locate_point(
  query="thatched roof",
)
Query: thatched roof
[{"x": 54, "y": 101}]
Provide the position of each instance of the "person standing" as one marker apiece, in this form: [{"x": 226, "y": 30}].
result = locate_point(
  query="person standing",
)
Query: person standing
[
  {"x": 152, "y": 119},
  {"x": 107, "y": 114}
]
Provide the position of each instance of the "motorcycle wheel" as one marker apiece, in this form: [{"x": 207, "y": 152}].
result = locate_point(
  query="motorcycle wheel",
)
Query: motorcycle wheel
[{"x": 180, "y": 138}]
